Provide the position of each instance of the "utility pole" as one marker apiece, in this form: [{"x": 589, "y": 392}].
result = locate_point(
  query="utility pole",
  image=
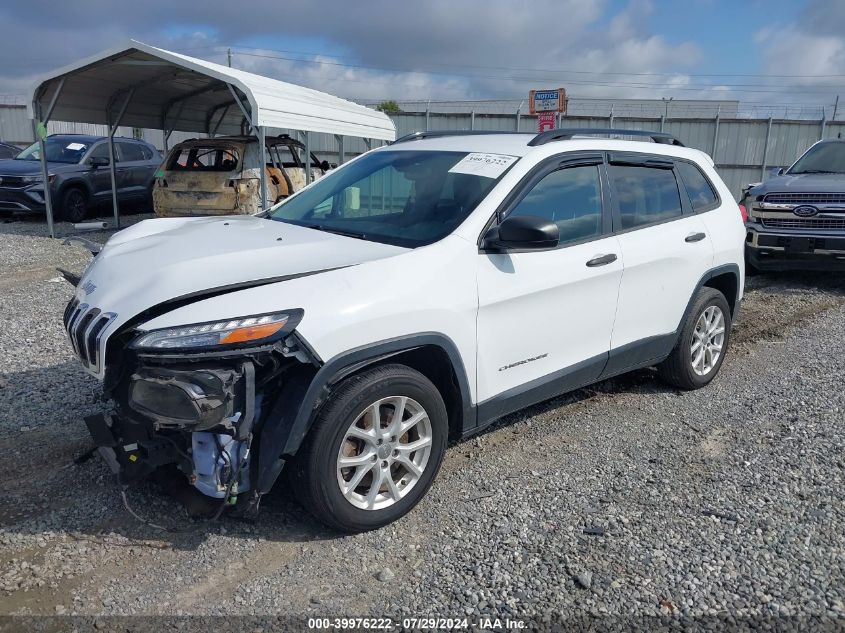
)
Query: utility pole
[
  {"x": 229, "y": 56},
  {"x": 835, "y": 108},
  {"x": 667, "y": 102}
]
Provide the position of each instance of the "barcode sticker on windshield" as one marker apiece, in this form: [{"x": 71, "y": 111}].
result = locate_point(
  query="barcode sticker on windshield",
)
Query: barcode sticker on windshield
[
  {"x": 485, "y": 165},
  {"x": 75, "y": 146}
]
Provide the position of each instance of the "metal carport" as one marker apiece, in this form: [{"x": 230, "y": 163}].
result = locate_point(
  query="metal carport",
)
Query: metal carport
[{"x": 148, "y": 87}]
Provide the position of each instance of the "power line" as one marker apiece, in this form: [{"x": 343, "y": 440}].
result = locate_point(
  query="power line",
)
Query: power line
[
  {"x": 748, "y": 88},
  {"x": 563, "y": 70}
]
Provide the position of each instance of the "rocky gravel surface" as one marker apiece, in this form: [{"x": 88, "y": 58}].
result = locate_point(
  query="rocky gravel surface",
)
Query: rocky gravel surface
[{"x": 627, "y": 502}]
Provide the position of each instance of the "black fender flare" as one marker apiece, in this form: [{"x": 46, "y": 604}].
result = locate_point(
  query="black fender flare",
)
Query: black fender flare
[
  {"x": 73, "y": 183},
  {"x": 713, "y": 272},
  {"x": 292, "y": 415}
]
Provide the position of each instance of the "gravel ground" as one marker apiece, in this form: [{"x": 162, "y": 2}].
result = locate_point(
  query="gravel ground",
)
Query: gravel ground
[{"x": 627, "y": 499}]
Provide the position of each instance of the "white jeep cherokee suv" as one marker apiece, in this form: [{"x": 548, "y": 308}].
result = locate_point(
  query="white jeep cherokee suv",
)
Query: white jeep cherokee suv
[{"x": 416, "y": 294}]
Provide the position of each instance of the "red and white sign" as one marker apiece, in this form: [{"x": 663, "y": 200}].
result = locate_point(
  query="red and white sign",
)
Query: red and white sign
[{"x": 546, "y": 121}]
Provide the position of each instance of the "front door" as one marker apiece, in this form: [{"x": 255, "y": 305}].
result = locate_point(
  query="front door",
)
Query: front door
[
  {"x": 100, "y": 177},
  {"x": 545, "y": 317}
]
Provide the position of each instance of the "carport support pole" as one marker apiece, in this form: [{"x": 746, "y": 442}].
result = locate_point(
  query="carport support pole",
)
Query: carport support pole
[
  {"x": 113, "y": 173},
  {"x": 42, "y": 150},
  {"x": 262, "y": 149},
  {"x": 112, "y": 166},
  {"x": 308, "y": 173}
]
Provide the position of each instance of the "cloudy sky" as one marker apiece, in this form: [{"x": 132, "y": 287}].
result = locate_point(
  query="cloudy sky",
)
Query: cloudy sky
[{"x": 759, "y": 51}]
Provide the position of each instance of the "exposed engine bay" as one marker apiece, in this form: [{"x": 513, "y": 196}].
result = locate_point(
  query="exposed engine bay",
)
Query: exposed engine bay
[{"x": 207, "y": 415}]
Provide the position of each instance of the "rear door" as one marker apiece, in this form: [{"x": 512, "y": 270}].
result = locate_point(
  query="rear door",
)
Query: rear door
[
  {"x": 545, "y": 317},
  {"x": 666, "y": 250},
  {"x": 131, "y": 169}
]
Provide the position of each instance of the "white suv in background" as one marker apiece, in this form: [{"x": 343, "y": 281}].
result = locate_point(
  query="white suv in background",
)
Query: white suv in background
[{"x": 418, "y": 292}]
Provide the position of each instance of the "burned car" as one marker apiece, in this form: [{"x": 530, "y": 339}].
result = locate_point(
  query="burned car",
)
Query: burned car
[{"x": 221, "y": 176}]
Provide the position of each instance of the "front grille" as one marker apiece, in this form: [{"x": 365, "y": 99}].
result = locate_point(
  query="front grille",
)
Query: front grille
[
  {"x": 85, "y": 326},
  {"x": 805, "y": 198},
  {"x": 822, "y": 224}
]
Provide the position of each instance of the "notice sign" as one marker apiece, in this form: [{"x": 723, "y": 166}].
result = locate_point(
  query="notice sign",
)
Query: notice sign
[
  {"x": 485, "y": 165},
  {"x": 547, "y": 101},
  {"x": 546, "y": 121}
]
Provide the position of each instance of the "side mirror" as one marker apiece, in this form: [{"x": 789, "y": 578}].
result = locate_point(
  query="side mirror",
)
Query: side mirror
[
  {"x": 325, "y": 166},
  {"x": 781, "y": 171},
  {"x": 98, "y": 161},
  {"x": 524, "y": 232}
]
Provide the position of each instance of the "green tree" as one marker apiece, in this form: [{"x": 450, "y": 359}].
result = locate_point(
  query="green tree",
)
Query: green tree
[{"x": 389, "y": 107}]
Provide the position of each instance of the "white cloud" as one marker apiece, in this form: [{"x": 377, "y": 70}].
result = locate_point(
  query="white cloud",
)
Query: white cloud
[{"x": 442, "y": 49}]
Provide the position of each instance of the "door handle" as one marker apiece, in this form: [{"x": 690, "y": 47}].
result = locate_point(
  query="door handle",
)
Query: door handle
[
  {"x": 694, "y": 237},
  {"x": 602, "y": 260}
]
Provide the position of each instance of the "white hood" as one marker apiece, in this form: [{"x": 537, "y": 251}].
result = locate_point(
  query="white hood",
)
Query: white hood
[{"x": 163, "y": 259}]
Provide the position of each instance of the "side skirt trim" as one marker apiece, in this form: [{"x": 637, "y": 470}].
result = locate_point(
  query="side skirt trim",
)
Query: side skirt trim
[{"x": 540, "y": 389}]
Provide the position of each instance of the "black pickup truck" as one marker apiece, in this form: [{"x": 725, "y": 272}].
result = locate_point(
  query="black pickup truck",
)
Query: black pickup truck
[{"x": 796, "y": 219}]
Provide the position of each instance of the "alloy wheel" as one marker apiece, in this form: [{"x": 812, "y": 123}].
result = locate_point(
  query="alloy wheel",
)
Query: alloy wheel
[
  {"x": 384, "y": 453},
  {"x": 707, "y": 340}
]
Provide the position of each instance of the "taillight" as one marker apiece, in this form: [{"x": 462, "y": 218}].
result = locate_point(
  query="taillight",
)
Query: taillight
[{"x": 743, "y": 212}]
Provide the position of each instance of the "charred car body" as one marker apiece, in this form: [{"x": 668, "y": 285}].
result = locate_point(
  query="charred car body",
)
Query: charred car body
[
  {"x": 796, "y": 220},
  {"x": 221, "y": 176}
]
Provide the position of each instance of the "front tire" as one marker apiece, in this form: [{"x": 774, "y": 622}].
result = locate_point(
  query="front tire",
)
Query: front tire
[
  {"x": 74, "y": 205},
  {"x": 700, "y": 350},
  {"x": 374, "y": 449}
]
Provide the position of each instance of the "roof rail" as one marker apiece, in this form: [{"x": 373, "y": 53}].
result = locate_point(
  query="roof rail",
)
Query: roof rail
[
  {"x": 566, "y": 134},
  {"x": 417, "y": 136}
]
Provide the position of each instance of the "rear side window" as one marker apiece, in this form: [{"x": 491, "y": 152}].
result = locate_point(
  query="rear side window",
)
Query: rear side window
[
  {"x": 203, "y": 159},
  {"x": 700, "y": 191},
  {"x": 645, "y": 195},
  {"x": 147, "y": 152},
  {"x": 130, "y": 152},
  {"x": 571, "y": 198}
]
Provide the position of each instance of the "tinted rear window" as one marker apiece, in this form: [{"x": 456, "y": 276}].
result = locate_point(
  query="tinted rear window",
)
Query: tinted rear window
[
  {"x": 130, "y": 152},
  {"x": 699, "y": 189},
  {"x": 645, "y": 195}
]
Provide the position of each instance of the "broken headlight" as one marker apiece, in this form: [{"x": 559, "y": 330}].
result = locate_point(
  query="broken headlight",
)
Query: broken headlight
[{"x": 231, "y": 332}]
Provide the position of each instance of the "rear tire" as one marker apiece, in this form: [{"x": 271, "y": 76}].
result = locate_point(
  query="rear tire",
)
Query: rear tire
[
  {"x": 376, "y": 488},
  {"x": 700, "y": 350},
  {"x": 74, "y": 205}
]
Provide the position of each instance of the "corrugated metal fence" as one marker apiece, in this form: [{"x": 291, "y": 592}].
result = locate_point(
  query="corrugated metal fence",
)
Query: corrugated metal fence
[{"x": 745, "y": 150}]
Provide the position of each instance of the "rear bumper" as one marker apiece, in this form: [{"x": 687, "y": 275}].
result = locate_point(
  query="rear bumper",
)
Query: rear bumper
[{"x": 797, "y": 250}]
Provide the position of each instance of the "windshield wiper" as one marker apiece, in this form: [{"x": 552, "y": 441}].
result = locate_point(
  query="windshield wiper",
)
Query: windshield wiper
[
  {"x": 817, "y": 171},
  {"x": 329, "y": 229}
]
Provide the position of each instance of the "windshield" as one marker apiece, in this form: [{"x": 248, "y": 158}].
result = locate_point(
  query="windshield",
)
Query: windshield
[
  {"x": 404, "y": 198},
  {"x": 58, "y": 151},
  {"x": 824, "y": 158}
]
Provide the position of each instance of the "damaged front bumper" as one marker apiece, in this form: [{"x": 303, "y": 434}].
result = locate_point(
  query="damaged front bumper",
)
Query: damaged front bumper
[{"x": 214, "y": 418}]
